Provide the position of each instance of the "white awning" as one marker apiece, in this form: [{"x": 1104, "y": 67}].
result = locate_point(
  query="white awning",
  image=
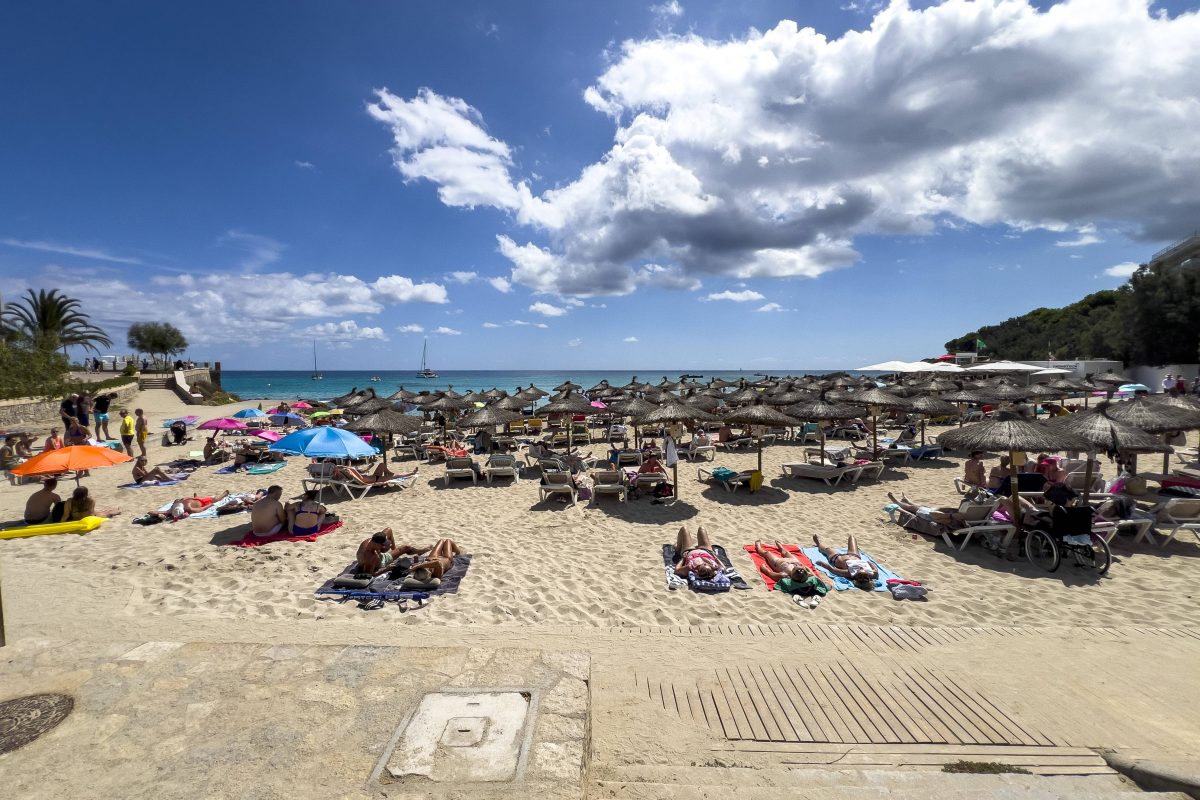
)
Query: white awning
[{"x": 1004, "y": 366}]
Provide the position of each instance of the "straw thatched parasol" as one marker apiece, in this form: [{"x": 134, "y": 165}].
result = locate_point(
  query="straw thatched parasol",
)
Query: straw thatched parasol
[
  {"x": 511, "y": 403},
  {"x": 386, "y": 421},
  {"x": 1013, "y": 435},
  {"x": 878, "y": 399},
  {"x": 360, "y": 397},
  {"x": 1103, "y": 432},
  {"x": 475, "y": 397},
  {"x": 699, "y": 400},
  {"x": 931, "y": 406},
  {"x": 1154, "y": 416},
  {"x": 567, "y": 386},
  {"x": 402, "y": 394},
  {"x": 342, "y": 399},
  {"x": 758, "y": 413},
  {"x": 1109, "y": 377},
  {"x": 675, "y": 411},
  {"x": 1005, "y": 392},
  {"x": 489, "y": 417},
  {"x": 746, "y": 394},
  {"x": 368, "y": 406},
  {"x": 822, "y": 409}
]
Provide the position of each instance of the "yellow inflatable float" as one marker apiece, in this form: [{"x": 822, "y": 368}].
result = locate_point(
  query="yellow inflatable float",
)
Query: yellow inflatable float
[{"x": 81, "y": 526}]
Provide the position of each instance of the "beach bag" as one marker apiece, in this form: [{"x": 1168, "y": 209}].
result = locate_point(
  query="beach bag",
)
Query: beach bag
[
  {"x": 662, "y": 490},
  {"x": 756, "y": 481}
]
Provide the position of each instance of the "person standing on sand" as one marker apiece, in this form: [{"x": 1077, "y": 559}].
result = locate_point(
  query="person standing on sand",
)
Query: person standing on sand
[
  {"x": 141, "y": 430},
  {"x": 66, "y": 410},
  {"x": 83, "y": 407},
  {"x": 127, "y": 431},
  {"x": 100, "y": 406}
]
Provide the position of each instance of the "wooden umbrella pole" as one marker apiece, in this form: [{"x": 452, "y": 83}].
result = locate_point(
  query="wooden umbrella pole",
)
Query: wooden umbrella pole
[
  {"x": 1087, "y": 477},
  {"x": 760, "y": 454},
  {"x": 1014, "y": 491}
]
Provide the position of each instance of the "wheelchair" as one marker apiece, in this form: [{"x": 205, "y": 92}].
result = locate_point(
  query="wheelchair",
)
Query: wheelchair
[{"x": 1046, "y": 543}]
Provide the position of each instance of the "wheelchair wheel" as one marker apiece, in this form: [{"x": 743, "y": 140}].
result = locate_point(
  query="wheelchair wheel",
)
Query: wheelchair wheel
[
  {"x": 1041, "y": 550},
  {"x": 1097, "y": 557}
]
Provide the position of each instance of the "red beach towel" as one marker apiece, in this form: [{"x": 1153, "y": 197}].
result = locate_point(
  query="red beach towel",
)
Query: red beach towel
[
  {"x": 793, "y": 550},
  {"x": 250, "y": 540}
]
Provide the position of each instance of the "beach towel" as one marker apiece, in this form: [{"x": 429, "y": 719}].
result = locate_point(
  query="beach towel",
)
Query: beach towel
[
  {"x": 148, "y": 484},
  {"x": 211, "y": 511},
  {"x": 265, "y": 469},
  {"x": 384, "y": 588},
  {"x": 760, "y": 562},
  {"x": 841, "y": 584},
  {"x": 671, "y": 559},
  {"x": 250, "y": 540}
]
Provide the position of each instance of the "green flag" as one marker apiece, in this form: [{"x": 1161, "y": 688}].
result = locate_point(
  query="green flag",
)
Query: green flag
[{"x": 979, "y": 345}]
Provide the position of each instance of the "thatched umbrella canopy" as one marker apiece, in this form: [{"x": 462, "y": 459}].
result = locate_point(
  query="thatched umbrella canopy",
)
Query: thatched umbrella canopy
[
  {"x": 1012, "y": 435},
  {"x": 1109, "y": 377},
  {"x": 788, "y": 398},
  {"x": 569, "y": 403},
  {"x": 746, "y": 394},
  {"x": 495, "y": 393},
  {"x": 489, "y": 417},
  {"x": 567, "y": 386},
  {"x": 359, "y": 397},
  {"x": 633, "y": 407},
  {"x": 402, "y": 394},
  {"x": 633, "y": 385},
  {"x": 1153, "y": 416},
  {"x": 1004, "y": 392},
  {"x": 600, "y": 387},
  {"x": 1186, "y": 402},
  {"x": 720, "y": 383},
  {"x": 674, "y": 411},
  {"x": 699, "y": 400},
  {"x": 368, "y": 406},
  {"x": 759, "y": 413},
  {"x": 877, "y": 399},
  {"x": 475, "y": 397},
  {"x": 342, "y": 399},
  {"x": 445, "y": 403},
  {"x": 667, "y": 385},
  {"x": 511, "y": 403},
  {"x": 691, "y": 386},
  {"x": 539, "y": 392},
  {"x": 453, "y": 395},
  {"x": 386, "y": 421},
  {"x": 1103, "y": 432},
  {"x": 822, "y": 409},
  {"x": 930, "y": 407}
]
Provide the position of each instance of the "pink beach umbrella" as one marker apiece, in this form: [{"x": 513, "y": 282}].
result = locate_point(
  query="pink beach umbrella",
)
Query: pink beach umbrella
[
  {"x": 598, "y": 404},
  {"x": 270, "y": 436},
  {"x": 301, "y": 404},
  {"x": 222, "y": 424}
]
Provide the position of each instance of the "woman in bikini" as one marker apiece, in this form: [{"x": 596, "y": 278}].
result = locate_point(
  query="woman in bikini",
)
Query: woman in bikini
[
  {"x": 381, "y": 474},
  {"x": 307, "y": 516},
  {"x": 438, "y": 562},
  {"x": 141, "y": 474},
  {"x": 696, "y": 555},
  {"x": 850, "y": 565},
  {"x": 779, "y": 567}
]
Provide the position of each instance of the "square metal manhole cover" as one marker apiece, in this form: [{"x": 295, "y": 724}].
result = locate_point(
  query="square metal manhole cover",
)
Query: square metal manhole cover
[{"x": 465, "y": 737}]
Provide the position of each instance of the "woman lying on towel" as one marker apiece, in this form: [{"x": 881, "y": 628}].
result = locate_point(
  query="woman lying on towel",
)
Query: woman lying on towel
[
  {"x": 849, "y": 565},
  {"x": 697, "y": 561},
  {"x": 788, "y": 573}
]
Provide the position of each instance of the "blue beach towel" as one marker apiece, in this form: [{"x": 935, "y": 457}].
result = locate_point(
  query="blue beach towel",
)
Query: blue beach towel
[
  {"x": 840, "y": 583},
  {"x": 148, "y": 485},
  {"x": 265, "y": 469}
]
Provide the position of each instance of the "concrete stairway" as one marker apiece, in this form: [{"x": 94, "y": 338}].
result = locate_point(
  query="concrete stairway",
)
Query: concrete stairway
[
  {"x": 644, "y": 782},
  {"x": 152, "y": 383}
]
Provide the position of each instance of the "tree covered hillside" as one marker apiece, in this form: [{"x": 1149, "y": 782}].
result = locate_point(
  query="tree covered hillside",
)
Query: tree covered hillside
[{"x": 1153, "y": 319}]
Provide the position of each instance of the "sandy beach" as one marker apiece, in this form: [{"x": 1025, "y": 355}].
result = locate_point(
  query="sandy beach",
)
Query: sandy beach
[{"x": 593, "y": 564}]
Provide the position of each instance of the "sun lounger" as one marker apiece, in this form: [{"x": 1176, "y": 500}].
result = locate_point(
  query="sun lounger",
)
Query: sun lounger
[
  {"x": 1177, "y": 514},
  {"x": 501, "y": 466},
  {"x": 830, "y": 473},
  {"x": 609, "y": 481},
  {"x": 356, "y": 489},
  {"x": 558, "y": 483},
  {"x": 650, "y": 479},
  {"x": 459, "y": 467},
  {"x": 729, "y": 484},
  {"x": 977, "y": 518},
  {"x": 698, "y": 452}
]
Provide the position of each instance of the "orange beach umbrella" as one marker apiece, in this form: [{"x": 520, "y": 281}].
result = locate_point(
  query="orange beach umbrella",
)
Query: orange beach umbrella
[{"x": 70, "y": 459}]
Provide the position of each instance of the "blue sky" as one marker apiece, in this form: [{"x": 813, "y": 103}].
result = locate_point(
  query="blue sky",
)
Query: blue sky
[{"x": 590, "y": 185}]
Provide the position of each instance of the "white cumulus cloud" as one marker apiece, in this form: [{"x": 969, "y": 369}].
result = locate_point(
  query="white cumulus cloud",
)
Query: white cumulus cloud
[
  {"x": 770, "y": 307},
  {"x": 442, "y": 330},
  {"x": 347, "y": 330},
  {"x": 411, "y": 328},
  {"x": 399, "y": 289},
  {"x": 630, "y": 339},
  {"x": 547, "y": 310},
  {"x": 1122, "y": 270},
  {"x": 462, "y": 277},
  {"x": 500, "y": 284},
  {"x": 575, "y": 343},
  {"x": 490, "y": 325},
  {"x": 744, "y": 296},
  {"x": 768, "y": 154}
]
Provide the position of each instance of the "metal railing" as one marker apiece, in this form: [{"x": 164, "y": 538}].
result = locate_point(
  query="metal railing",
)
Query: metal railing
[{"x": 1175, "y": 246}]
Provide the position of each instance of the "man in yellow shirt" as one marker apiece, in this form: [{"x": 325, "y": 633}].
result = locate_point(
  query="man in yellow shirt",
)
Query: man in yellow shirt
[{"x": 127, "y": 426}]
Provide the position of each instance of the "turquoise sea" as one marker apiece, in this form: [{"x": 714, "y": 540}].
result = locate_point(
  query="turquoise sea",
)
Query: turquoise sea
[{"x": 294, "y": 384}]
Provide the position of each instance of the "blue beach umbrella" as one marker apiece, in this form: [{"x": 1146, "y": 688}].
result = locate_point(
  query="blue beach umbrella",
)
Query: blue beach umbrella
[
  {"x": 289, "y": 419},
  {"x": 249, "y": 413},
  {"x": 323, "y": 442}
]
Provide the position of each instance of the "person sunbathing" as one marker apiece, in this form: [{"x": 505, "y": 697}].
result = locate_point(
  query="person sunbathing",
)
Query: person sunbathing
[
  {"x": 307, "y": 516},
  {"x": 378, "y": 554},
  {"x": 381, "y": 474},
  {"x": 781, "y": 567},
  {"x": 697, "y": 559},
  {"x": 942, "y": 516},
  {"x": 651, "y": 466},
  {"x": 438, "y": 562},
  {"x": 80, "y": 505},
  {"x": 850, "y": 565},
  {"x": 973, "y": 474},
  {"x": 143, "y": 475}
]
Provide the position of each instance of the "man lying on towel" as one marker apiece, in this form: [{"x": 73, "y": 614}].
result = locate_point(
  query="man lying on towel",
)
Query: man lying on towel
[
  {"x": 378, "y": 554},
  {"x": 789, "y": 574}
]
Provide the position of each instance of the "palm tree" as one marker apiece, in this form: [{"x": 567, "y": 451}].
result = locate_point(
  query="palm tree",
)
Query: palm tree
[{"x": 50, "y": 320}]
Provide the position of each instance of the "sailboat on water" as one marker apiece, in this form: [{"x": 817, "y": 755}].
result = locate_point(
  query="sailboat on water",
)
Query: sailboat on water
[
  {"x": 316, "y": 376},
  {"x": 425, "y": 372}
]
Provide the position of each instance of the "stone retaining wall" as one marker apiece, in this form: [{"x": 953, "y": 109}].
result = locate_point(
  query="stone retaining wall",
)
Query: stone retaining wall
[{"x": 26, "y": 409}]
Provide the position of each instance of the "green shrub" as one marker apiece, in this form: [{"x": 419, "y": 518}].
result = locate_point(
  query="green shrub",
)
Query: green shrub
[
  {"x": 129, "y": 371},
  {"x": 983, "y": 768}
]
